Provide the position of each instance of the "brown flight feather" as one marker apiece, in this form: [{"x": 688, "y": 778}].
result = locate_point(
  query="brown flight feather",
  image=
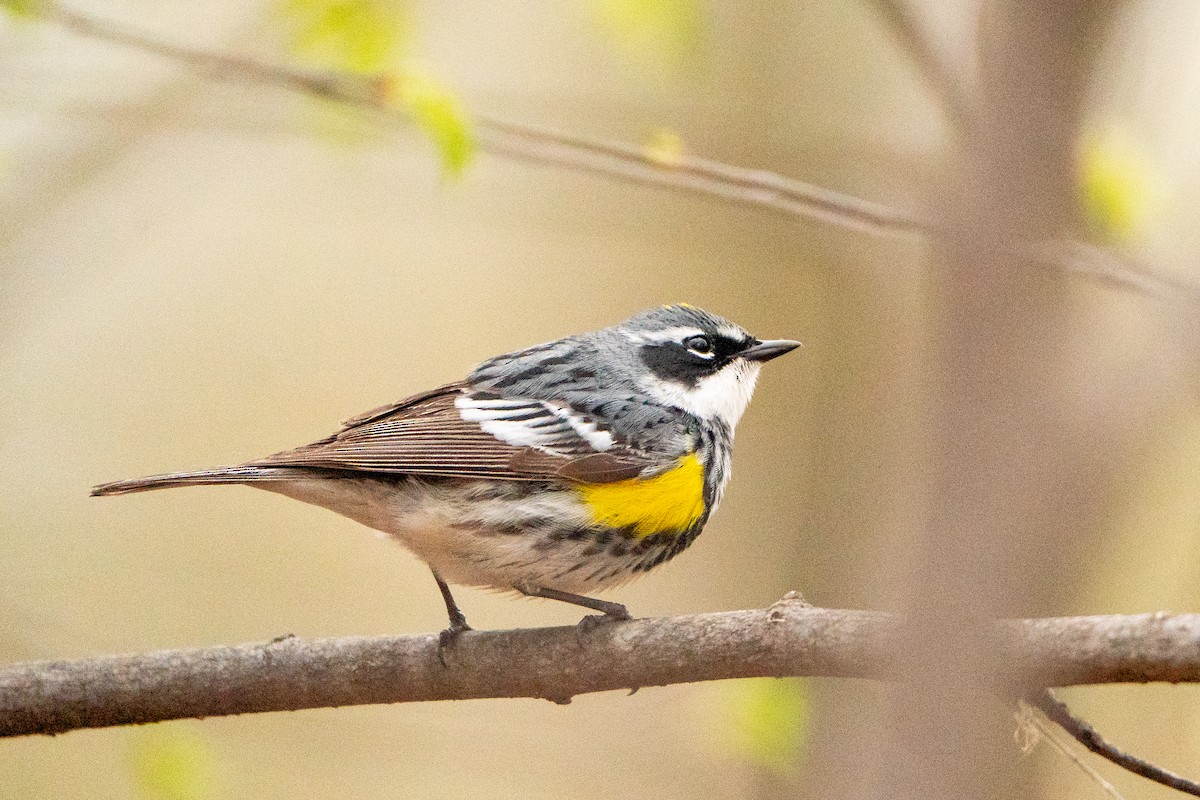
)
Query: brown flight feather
[{"x": 426, "y": 435}]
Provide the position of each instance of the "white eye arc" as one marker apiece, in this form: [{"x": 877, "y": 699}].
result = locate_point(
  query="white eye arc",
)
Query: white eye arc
[{"x": 699, "y": 345}]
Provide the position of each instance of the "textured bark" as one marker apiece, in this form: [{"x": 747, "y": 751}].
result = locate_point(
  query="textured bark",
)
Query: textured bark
[{"x": 788, "y": 639}]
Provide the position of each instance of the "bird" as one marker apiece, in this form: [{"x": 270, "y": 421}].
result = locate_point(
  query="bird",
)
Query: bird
[{"x": 556, "y": 471}]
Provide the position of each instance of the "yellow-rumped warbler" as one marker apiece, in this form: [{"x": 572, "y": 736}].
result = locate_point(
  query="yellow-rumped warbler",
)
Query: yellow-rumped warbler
[{"x": 560, "y": 469}]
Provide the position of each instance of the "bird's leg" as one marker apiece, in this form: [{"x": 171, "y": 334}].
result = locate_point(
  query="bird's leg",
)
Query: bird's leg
[
  {"x": 458, "y": 622},
  {"x": 610, "y": 610}
]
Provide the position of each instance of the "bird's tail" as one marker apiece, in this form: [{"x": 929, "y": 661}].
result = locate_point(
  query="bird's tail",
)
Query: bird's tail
[{"x": 204, "y": 477}]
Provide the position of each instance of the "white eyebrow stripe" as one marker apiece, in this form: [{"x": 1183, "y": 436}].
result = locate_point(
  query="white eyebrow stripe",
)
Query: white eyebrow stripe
[
  {"x": 677, "y": 334},
  {"x": 731, "y": 332}
]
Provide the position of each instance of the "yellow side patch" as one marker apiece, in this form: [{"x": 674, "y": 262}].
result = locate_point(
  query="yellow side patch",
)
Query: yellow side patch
[{"x": 668, "y": 503}]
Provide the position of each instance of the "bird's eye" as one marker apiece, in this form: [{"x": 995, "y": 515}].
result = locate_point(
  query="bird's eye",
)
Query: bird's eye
[{"x": 700, "y": 345}]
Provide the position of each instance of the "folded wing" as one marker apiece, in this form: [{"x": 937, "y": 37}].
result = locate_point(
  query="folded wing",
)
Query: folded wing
[{"x": 454, "y": 432}]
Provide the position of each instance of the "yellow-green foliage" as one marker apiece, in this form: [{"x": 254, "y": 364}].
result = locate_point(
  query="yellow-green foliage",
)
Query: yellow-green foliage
[
  {"x": 171, "y": 765},
  {"x": 664, "y": 146},
  {"x": 359, "y": 36},
  {"x": 438, "y": 111},
  {"x": 371, "y": 38},
  {"x": 668, "y": 31},
  {"x": 767, "y": 721},
  {"x": 23, "y": 8},
  {"x": 1116, "y": 187}
]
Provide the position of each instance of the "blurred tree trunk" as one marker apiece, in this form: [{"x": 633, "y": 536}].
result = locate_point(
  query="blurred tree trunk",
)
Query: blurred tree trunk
[{"x": 1002, "y": 490}]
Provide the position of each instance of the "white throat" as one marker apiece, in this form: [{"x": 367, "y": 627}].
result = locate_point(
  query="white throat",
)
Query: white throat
[{"x": 722, "y": 396}]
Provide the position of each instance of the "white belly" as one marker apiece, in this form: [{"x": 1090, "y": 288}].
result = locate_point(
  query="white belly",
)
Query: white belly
[{"x": 472, "y": 538}]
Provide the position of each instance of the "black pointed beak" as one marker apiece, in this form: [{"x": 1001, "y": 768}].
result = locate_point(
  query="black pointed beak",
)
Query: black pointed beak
[{"x": 772, "y": 348}]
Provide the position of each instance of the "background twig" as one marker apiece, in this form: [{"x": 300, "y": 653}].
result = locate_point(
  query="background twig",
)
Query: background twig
[
  {"x": 682, "y": 172},
  {"x": 947, "y": 80},
  {"x": 1056, "y": 710},
  {"x": 1033, "y": 727}
]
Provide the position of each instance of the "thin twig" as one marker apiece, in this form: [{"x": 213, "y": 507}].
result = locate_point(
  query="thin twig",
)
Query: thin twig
[
  {"x": 698, "y": 175},
  {"x": 947, "y": 80},
  {"x": 225, "y": 65},
  {"x": 1032, "y": 728},
  {"x": 1056, "y": 710},
  {"x": 683, "y": 172},
  {"x": 529, "y": 142}
]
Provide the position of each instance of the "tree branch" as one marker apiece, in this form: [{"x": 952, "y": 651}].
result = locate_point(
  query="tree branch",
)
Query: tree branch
[{"x": 788, "y": 639}]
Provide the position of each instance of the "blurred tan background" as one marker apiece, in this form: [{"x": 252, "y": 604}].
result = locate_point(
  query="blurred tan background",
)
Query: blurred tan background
[{"x": 196, "y": 273}]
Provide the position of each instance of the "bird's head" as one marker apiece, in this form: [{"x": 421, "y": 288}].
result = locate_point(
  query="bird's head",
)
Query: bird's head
[{"x": 697, "y": 361}]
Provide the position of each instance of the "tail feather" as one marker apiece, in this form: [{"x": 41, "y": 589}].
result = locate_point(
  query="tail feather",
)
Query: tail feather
[{"x": 204, "y": 477}]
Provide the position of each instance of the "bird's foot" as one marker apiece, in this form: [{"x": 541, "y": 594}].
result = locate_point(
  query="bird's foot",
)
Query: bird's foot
[
  {"x": 449, "y": 637},
  {"x": 613, "y": 612}
]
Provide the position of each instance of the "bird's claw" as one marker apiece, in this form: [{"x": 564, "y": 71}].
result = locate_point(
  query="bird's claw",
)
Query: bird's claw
[
  {"x": 448, "y": 637},
  {"x": 618, "y": 613}
]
